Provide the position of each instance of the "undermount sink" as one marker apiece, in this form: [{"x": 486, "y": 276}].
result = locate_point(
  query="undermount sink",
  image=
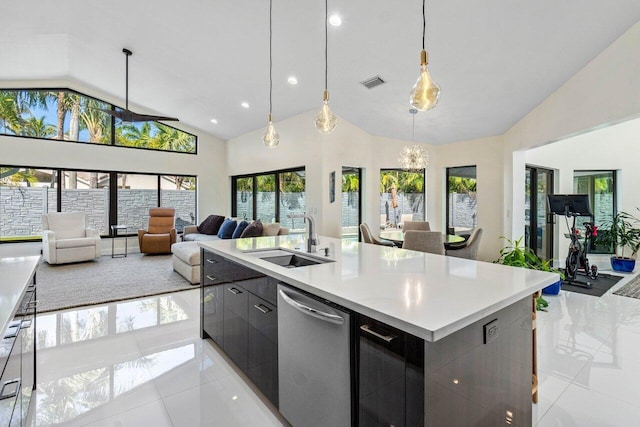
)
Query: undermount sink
[{"x": 288, "y": 259}]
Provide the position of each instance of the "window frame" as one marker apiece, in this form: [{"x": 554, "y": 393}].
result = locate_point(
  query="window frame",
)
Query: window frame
[{"x": 112, "y": 106}]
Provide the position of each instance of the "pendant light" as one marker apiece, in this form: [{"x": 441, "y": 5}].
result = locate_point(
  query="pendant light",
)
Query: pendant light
[
  {"x": 413, "y": 158},
  {"x": 425, "y": 93},
  {"x": 326, "y": 121},
  {"x": 271, "y": 138}
]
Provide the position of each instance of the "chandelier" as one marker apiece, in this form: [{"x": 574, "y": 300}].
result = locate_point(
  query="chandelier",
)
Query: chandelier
[{"x": 413, "y": 157}]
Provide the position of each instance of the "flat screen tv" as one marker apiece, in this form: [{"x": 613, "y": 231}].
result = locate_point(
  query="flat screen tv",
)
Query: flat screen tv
[{"x": 570, "y": 204}]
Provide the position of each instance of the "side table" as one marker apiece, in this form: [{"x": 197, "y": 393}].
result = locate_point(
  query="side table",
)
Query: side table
[{"x": 115, "y": 233}]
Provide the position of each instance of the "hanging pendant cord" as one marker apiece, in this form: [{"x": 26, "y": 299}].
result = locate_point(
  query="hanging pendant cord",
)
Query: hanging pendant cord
[
  {"x": 270, "y": 57},
  {"x": 126, "y": 83},
  {"x": 413, "y": 126},
  {"x": 424, "y": 23},
  {"x": 326, "y": 42}
]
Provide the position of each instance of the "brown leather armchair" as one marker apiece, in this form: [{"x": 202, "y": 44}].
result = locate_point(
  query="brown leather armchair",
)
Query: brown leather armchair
[{"x": 161, "y": 233}]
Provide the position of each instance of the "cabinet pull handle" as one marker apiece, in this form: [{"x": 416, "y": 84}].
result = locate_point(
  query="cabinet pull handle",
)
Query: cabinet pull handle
[
  {"x": 386, "y": 338},
  {"x": 310, "y": 311},
  {"x": 14, "y": 393},
  {"x": 212, "y": 261},
  {"x": 234, "y": 291},
  {"x": 15, "y": 327},
  {"x": 213, "y": 279},
  {"x": 26, "y": 324},
  {"x": 263, "y": 308}
]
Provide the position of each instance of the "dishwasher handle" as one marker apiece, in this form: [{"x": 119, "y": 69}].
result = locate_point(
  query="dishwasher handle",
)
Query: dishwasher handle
[{"x": 310, "y": 311}]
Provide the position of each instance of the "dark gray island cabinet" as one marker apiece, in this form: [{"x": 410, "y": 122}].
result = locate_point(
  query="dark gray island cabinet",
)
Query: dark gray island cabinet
[
  {"x": 405, "y": 366},
  {"x": 17, "y": 345}
]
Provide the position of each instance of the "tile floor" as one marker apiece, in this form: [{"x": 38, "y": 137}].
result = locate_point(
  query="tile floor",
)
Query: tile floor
[{"x": 141, "y": 362}]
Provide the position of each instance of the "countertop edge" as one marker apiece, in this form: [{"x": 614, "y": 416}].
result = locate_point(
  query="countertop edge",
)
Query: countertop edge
[
  {"x": 30, "y": 263},
  {"x": 428, "y": 335}
]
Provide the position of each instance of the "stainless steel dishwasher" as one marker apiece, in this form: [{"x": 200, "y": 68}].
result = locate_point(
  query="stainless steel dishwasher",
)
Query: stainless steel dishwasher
[{"x": 313, "y": 361}]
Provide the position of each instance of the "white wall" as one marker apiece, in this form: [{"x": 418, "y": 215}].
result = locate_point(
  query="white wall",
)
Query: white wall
[
  {"x": 302, "y": 145},
  {"x": 603, "y": 93},
  {"x": 612, "y": 148},
  {"x": 209, "y": 165}
]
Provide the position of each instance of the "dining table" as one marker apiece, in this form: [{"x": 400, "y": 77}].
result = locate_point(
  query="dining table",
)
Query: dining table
[{"x": 397, "y": 237}]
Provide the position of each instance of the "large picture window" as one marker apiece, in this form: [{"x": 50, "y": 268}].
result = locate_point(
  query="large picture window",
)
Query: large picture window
[
  {"x": 401, "y": 197},
  {"x": 106, "y": 197},
  {"x": 601, "y": 188},
  {"x": 67, "y": 115},
  {"x": 270, "y": 196},
  {"x": 462, "y": 207}
]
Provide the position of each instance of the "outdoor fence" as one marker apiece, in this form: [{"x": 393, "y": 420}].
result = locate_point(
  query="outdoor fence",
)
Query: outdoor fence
[{"x": 21, "y": 208}]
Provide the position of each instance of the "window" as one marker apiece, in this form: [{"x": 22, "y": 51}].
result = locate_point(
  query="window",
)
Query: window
[
  {"x": 64, "y": 114},
  {"x": 137, "y": 194},
  {"x": 179, "y": 192},
  {"x": 270, "y": 196},
  {"x": 106, "y": 197},
  {"x": 25, "y": 194},
  {"x": 87, "y": 192},
  {"x": 600, "y": 186},
  {"x": 351, "y": 190},
  {"x": 461, "y": 199},
  {"x": 401, "y": 194}
]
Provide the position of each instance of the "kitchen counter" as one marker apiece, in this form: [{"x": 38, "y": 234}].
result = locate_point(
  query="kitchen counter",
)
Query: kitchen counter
[
  {"x": 15, "y": 275},
  {"x": 429, "y": 296}
]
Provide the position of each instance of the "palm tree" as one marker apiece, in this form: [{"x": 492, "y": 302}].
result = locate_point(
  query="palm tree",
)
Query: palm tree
[
  {"x": 37, "y": 128},
  {"x": 97, "y": 124},
  {"x": 168, "y": 138},
  {"x": 9, "y": 112}
]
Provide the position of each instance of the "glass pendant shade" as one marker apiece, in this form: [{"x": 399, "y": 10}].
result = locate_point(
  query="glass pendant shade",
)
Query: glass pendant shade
[
  {"x": 271, "y": 138},
  {"x": 326, "y": 121},
  {"x": 425, "y": 93},
  {"x": 413, "y": 158}
]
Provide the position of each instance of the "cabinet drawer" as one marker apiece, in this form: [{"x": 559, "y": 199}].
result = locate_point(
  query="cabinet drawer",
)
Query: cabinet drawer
[
  {"x": 213, "y": 271},
  {"x": 10, "y": 383}
]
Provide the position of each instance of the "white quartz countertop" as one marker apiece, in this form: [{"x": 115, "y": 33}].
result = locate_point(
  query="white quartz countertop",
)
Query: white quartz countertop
[
  {"x": 427, "y": 295},
  {"x": 15, "y": 275}
]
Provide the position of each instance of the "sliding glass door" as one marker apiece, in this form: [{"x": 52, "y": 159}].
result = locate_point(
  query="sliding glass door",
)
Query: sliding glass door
[{"x": 538, "y": 220}]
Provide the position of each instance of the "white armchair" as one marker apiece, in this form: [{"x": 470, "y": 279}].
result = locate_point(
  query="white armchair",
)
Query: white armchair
[{"x": 66, "y": 238}]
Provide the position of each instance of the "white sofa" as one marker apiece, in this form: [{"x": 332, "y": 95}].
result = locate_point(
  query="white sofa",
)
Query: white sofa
[{"x": 66, "y": 238}]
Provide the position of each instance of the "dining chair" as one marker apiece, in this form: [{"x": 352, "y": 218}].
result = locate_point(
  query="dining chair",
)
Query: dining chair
[
  {"x": 416, "y": 225},
  {"x": 467, "y": 249},
  {"x": 424, "y": 241},
  {"x": 404, "y": 218},
  {"x": 368, "y": 237}
]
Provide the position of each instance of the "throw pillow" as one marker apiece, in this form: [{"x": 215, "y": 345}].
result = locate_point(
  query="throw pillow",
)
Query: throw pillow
[
  {"x": 271, "y": 229},
  {"x": 253, "y": 230},
  {"x": 227, "y": 228},
  {"x": 211, "y": 225},
  {"x": 239, "y": 229}
]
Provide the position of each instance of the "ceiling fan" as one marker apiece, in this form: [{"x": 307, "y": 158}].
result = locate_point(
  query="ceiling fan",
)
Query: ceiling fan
[{"x": 127, "y": 115}]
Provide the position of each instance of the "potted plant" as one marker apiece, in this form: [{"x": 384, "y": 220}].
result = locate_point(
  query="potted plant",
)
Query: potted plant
[
  {"x": 515, "y": 254},
  {"x": 622, "y": 234}
]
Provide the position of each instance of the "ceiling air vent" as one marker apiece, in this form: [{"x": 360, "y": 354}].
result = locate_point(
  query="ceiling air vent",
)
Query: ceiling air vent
[{"x": 373, "y": 82}]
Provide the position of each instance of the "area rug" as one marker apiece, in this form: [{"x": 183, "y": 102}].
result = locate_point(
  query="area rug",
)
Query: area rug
[
  {"x": 105, "y": 280},
  {"x": 631, "y": 289},
  {"x": 599, "y": 286}
]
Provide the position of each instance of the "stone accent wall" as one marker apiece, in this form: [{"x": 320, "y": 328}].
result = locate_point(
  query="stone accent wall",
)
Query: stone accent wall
[{"x": 21, "y": 208}]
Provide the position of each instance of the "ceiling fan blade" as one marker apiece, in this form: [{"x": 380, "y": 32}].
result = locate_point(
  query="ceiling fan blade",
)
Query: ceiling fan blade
[
  {"x": 130, "y": 116},
  {"x": 135, "y": 117}
]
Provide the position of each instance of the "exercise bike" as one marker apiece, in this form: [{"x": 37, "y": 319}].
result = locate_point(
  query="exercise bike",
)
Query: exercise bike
[
  {"x": 577, "y": 256},
  {"x": 575, "y": 205}
]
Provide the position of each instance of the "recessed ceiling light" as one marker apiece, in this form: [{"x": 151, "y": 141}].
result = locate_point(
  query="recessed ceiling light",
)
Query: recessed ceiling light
[
  {"x": 245, "y": 105},
  {"x": 292, "y": 80},
  {"x": 335, "y": 20},
  {"x": 214, "y": 121}
]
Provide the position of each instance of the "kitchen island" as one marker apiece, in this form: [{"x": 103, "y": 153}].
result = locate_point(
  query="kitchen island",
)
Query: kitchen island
[{"x": 460, "y": 329}]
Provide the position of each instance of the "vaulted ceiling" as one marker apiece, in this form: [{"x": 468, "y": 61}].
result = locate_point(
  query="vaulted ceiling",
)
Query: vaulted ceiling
[{"x": 495, "y": 60}]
